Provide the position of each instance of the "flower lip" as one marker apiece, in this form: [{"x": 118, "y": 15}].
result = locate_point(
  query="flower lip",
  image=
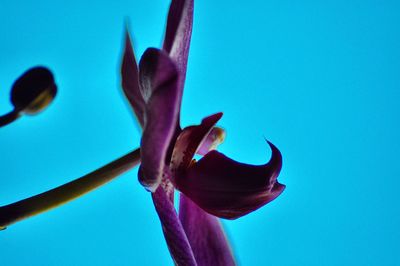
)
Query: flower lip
[{"x": 229, "y": 189}]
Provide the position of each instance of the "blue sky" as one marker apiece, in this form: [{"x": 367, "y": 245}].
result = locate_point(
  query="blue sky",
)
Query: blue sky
[{"x": 320, "y": 79}]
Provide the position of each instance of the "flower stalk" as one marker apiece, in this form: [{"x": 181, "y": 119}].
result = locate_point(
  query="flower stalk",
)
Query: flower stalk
[
  {"x": 9, "y": 117},
  {"x": 58, "y": 196}
]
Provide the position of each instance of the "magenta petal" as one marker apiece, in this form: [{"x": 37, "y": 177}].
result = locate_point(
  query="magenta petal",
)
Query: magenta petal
[
  {"x": 175, "y": 236},
  {"x": 158, "y": 79},
  {"x": 177, "y": 37},
  {"x": 229, "y": 189},
  {"x": 130, "y": 80},
  {"x": 178, "y": 33},
  {"x": 206, "y": 236},
  {"x": 156, "y": 69}
]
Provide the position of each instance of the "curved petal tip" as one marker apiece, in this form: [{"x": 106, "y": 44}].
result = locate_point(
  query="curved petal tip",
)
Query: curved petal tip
[{"x": 229, "y": 189}]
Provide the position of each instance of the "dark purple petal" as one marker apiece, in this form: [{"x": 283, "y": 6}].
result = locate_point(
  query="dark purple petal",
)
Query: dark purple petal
[
  {"x": 229, "y": 189},
  {"x": 130, "y": 80},
  {"x": 178, "y": 33},
  {"x": 158, "y": 79},
  {"x": 177, "y": 37},
  {"x": 189, "y": 141},
  {"x": 175, "y": 236},
  {"x": 206, "y": 236},
  {"x": 176, "y": 43}
]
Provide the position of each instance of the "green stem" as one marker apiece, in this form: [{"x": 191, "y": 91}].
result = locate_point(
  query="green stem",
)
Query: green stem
[{"x": 53, "y": 198}]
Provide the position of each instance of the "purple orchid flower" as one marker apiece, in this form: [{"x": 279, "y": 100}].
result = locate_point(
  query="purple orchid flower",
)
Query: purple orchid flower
[{"x": 215, "y": 186}]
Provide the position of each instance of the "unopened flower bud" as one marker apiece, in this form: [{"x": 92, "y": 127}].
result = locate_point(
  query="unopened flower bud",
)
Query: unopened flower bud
[{"x": 33, "y": 91}]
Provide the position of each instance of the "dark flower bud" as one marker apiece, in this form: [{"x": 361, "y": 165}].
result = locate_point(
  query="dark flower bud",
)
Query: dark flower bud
[{"x": 33, "y": 90}]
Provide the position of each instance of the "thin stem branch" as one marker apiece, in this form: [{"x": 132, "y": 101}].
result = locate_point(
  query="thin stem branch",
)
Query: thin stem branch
[
  {"x": 53, "y": 198},
  {"x": 9, "y": 118}
]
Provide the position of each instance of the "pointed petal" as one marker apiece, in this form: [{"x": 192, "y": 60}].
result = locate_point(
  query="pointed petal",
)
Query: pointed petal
[
  {"x": 177, "y": 39},
  {"x": 158, "y": 79},
  {"x": 174, "y": 233},
  {"x": 178, "y": 33},
  {"x": 130, "y": 80},
  {"x": 229, "y": 189},
  {"x": 189, "y": 141},
  {"x": 206, "y": 236}
]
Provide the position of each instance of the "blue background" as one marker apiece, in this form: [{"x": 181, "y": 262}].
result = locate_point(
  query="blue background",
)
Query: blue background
[{"x": 320, "y": 79}]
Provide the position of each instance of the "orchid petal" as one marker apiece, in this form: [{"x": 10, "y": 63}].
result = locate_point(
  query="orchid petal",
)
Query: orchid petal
[
  {"x": 158, "y": 83},
  {"x": 177, "y": 40},
  {"x": 189, "y": 141},
  {"x": 130, "y": 80},
  {"x": 174, "y": 233},
  {"x": 229, "y": 189},
  {"x": 206, "y": 236},
  {"x": 178, "y": 33}
]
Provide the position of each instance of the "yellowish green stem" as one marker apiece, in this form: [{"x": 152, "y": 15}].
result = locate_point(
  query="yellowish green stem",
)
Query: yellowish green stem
[{"x": 53, "y": 198}]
